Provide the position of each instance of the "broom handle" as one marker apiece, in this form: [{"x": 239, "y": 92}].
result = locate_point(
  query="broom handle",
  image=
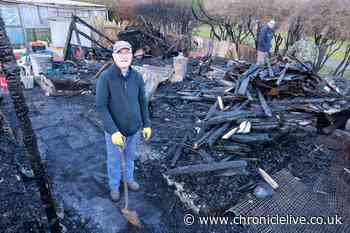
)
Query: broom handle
[{"x": 122, "y": 164}]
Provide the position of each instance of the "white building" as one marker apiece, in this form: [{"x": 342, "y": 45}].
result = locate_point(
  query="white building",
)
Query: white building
[{"x": 29, "y": 20}]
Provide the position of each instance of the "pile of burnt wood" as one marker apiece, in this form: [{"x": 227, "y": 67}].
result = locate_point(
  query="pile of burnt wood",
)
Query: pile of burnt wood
[
  {"x": 251, "y": 107},
  {"x": 260, "y": 103}
]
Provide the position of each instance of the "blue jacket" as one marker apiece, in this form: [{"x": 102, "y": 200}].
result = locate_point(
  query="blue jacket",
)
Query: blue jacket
[
  {"x": 265, "y": 39},
  {"x": 120, "y": 101}
]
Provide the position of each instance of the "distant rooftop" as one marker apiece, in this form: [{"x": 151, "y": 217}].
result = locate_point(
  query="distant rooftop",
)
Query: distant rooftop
[{"x": 54, "y": 3}]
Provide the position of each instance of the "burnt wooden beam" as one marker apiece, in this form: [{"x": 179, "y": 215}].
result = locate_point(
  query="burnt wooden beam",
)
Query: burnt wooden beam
[
  {"x": 264, "y": 105},
  {"x": 265, "y": 127},
  {"x": 234, "y": 147},
  {"x": 271, "y": 74},
  {"x": 229, "y": 118},
  {"x": 77, "y": 19},
  {"x": 200, "y": 168},
  {"x": 282, "y": 75},
  {"x": 179, "y": 149},
  {"x": 77, "y": 36},
  {"x": 251, "y": 138},
  {"x": 212, "y": 111},
  {"x": 243, "y": 87},
  {"x": 206, "y": 157},
  {"x": 77, "y": 31},
  {"x": 12, "y": 74},
  {"x": 309, "y": 100},
  {"x": 242, "y": 84},
  {"x": 68, "y": 40},
  {"x": 217, "y": 134},
  {"x": 199, "y": 142}
]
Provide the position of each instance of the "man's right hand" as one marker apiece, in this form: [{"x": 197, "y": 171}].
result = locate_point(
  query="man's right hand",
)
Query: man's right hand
[{"x": 118, "y": 139}]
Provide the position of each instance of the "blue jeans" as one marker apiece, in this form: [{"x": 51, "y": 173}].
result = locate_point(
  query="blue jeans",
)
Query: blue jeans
[{"x": 113, "y": 160}]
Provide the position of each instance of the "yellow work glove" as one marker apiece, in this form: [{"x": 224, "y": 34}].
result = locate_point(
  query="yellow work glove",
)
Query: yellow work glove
[
  {"x": 147, "y": 133},
  {"x": 118, "y": 139}
]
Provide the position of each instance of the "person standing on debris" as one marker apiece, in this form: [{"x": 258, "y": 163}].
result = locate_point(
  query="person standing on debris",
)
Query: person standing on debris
[
  {"x": 265, "y": 42},
  {"x": 121, "y": 105}
]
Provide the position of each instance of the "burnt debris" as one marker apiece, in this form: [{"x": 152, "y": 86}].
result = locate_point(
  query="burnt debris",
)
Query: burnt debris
[{"x": 267, "y": 116}]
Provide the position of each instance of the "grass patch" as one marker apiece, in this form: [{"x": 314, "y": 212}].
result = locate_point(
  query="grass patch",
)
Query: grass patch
[
  {"x": 202, "y": 31},
  {"x": 327, "y": 70}
]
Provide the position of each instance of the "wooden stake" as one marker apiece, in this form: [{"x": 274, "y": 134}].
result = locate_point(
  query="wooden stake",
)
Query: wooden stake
[
  {"x": 221, "y": 103},
  {"x": 268, "y": 178}
]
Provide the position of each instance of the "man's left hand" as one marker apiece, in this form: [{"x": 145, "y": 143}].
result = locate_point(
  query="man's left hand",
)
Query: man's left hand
[{"x": 147, "y": 133}]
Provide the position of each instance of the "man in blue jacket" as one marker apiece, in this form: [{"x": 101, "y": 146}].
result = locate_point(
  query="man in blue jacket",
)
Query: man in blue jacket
[
  {"x": 265, "y": 42},
  {"x": 122, "y": 107}
]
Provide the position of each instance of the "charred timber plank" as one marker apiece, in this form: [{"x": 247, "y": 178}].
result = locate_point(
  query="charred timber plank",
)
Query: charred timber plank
[
  {"x": 226, "y": 83},
  {"x": 77, "y": 31},
  {"x": 67, "y": 93},
  {"x": 264, "y": 105},
  {"x": 68, "y": 40},
  {"x": 206, "y": 157},
  {"x": 12, "y": 74},
  {"x": 191, "y": 98},
  {"x": 217, "y": 134},
  {"x": 205, "y": 98},
  {"x": 251, "y": 138},
  {"x": 199, "y": 142},
  {"x": 221, "y": 103},
  {"x": 213, "y": 98},
  {"x": 161, "y": 41},
  {"x": 259, "y": 120},
  {"x": 212, "y": 110},
  {"x": 228, "y": 118},
  {"x": 77, "y": 19},
  {"x": 249, "y": 96},
  {"x": 77, "y": 37},
  {"x": 234, "y": 148},
  {"x": 199, "y": 168},
  {"x": 178, "y": 150},
  {"x": 308, "y": 100},
  {"x": 242, "y": 90},
  {"x": 271, "y": 74},
  {"x": 242, "y": 84},
  {"x": 210, "y": 113},
  {"x": 265, "y": 127},
  {"x": 283, "y": 73}
]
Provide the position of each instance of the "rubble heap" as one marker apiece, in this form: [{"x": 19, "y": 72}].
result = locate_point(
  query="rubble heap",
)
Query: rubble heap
[{"x": 251, "y": 117}]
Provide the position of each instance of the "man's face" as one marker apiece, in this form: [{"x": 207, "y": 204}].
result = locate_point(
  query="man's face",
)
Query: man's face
[
  {"x": 271, "y": 25},
  {"x": 123, "y": 58}
]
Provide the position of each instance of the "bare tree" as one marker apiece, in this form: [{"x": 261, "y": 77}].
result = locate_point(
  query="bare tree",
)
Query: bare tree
[
  {"x": 295, "y": 32},
  {"x": 167, "y": 16},
  {"x": 327, "y": 22},
  {"x": 344, "y": 63}
]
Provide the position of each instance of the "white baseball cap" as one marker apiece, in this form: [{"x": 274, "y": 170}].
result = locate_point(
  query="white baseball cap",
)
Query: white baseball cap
[{"x": 121, "y": 44}]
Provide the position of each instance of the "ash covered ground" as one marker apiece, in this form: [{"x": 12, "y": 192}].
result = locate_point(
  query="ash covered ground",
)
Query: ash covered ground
[{"x": 73, "y": 151}]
